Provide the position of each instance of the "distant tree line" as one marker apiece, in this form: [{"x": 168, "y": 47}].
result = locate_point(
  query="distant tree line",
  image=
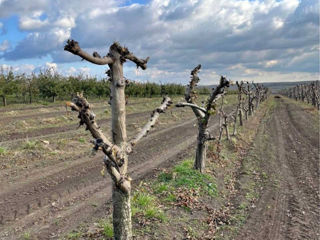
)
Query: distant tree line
[
  {"x": 308, "y": 92},
  {"x": 49, "y": 86}
]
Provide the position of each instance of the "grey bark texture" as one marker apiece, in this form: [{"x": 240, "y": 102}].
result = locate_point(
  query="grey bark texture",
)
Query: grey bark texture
[
  {"x": 116, "y": 151},
  {"x": 202, "y": 114}
]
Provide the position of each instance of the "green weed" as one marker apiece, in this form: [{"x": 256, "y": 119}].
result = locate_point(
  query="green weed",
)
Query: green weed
[
  {"x": 107, "y": 228},
  {"x": 74, "y": 235},
  {"x": 30, "y": 145},
  {"x": 146, "y": 205},
  {"x": 186, "y": 176},
  {"x": 3, "y": 150}
]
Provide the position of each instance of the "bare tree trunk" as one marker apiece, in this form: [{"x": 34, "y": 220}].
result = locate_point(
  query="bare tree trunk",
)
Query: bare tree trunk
[
  {"x": 226, "y": 127},
  {"x": 240, "y": 117},
  {"x": 4, "y": 100},
  {"x": 227, "y": 132},
  {"x": 122, "y": 226},
  {"x": 116, "y": 151},
  {"x": 235, "y": 121},
  {"x": 202, "y": 114},
  {"x": 220, "y": 128},
  {"x": 120, "y": 200},
  {"x": 201, "y": 152},
  {"x": 249, "y": 105}
]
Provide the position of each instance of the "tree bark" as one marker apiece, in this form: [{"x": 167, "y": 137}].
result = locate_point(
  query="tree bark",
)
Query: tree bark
[
  {"x": 240, "y": 117},
  {"x": 4, "y": 100},
  {"x": 120, "y": 200},
  {"x": 122, "y": 226},
  {"x": 201, "y": 151},
  {"x": 235, "y": 122},
  {"x": 227, "y": 130},
  {"x": 116, "y": 151}
]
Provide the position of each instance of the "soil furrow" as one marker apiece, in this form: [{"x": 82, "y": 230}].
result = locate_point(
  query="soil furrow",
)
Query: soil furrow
[{"x": 295, "y": 199}]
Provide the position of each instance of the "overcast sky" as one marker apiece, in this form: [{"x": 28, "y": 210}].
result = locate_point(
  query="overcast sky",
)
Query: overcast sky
[{"x": 270, "y": 40}]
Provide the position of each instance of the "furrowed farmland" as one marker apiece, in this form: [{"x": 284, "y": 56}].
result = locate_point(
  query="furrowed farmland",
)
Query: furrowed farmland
[
  {"x": 250, "y": 173},
  {"x": 159, "y": 120}
]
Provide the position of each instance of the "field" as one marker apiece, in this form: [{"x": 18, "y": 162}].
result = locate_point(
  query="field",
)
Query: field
[{"x": 265, "y": 180}]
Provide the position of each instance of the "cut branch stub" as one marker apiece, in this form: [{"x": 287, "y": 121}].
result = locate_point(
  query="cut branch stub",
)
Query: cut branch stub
[
  {"x": 190, "y": 91},
  {"x": 72, "y": 46},
  {"x": 126, "y": 54},
  {"x": 217, "y": 92}
]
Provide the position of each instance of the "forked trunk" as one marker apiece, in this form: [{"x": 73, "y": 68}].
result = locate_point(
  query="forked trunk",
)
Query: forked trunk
[{"x": 122, "y": 226}]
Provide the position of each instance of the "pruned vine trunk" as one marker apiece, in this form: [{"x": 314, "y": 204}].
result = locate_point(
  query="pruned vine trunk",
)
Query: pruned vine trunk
[
  {"x": 4, "y": 100},
  {"x": 116, "y": 151},
  {"x": 235, "y": 121},
  {"x": 240, "y": 117},
  {"x": 120, "y": 200},
  {"x": 201, "y": 152},
  {"x": 122, "y": 226},
  {"x": 202, "y": 113}
]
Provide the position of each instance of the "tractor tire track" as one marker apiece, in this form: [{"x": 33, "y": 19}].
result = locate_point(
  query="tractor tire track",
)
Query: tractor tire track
[
  {"x": 67, "y": 195},
  {"x": 291, "y": 209}
]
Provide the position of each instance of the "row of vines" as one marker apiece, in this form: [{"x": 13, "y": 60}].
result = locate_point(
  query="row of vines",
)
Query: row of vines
[
  {"x": 118, "y": 149},
  {"x": 309, "y": 92}
]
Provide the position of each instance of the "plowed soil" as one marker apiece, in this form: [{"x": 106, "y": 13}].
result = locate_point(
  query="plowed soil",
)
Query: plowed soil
[
  {"x": 54, "y": 201},
  {"x": 288, "y": 208},
  {"x": 51, "y": 202}
]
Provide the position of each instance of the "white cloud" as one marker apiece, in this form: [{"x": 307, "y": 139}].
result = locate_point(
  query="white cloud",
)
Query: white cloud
[
  {"x": 225, "y": 36},
  {"x": 85, "y": 70},
  {"x": 52, "y": 67},
  {"x": 29, "y": 23},
  {"x": 271, "y": 63},
  {"x": 4, "y": 45}
]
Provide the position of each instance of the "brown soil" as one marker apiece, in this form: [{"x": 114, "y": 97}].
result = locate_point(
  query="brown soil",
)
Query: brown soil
[
  {"x": 288, "y": 207},
  {"x": 54, "y": 113},
  {"x": 53, "y": 130},
  {"x": 57, "y": 200}
]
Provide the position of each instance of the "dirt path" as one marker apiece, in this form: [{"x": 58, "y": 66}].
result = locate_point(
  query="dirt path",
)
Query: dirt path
[
  {"x": 288, "y": 207},
  {"x": 52, "y": 203}
]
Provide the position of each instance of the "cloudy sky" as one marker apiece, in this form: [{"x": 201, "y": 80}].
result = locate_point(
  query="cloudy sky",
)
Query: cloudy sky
[{"x": 272, "y": 40}]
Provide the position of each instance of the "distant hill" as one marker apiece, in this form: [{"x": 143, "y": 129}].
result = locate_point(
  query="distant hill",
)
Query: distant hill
[{"x": 274, "y": 86}]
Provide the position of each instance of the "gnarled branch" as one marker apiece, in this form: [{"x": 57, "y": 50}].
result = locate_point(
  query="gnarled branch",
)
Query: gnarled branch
[
  {"x": 126, "y": 54},
  {"x": 192, "y": 105},
  {"x": 166, "y": 102},
  {"x": 73, "y": 47},
  {"x": 114, "y": 157},
  {"x": 217, "y": 92},
  {"x": 190, "y": 94}
]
